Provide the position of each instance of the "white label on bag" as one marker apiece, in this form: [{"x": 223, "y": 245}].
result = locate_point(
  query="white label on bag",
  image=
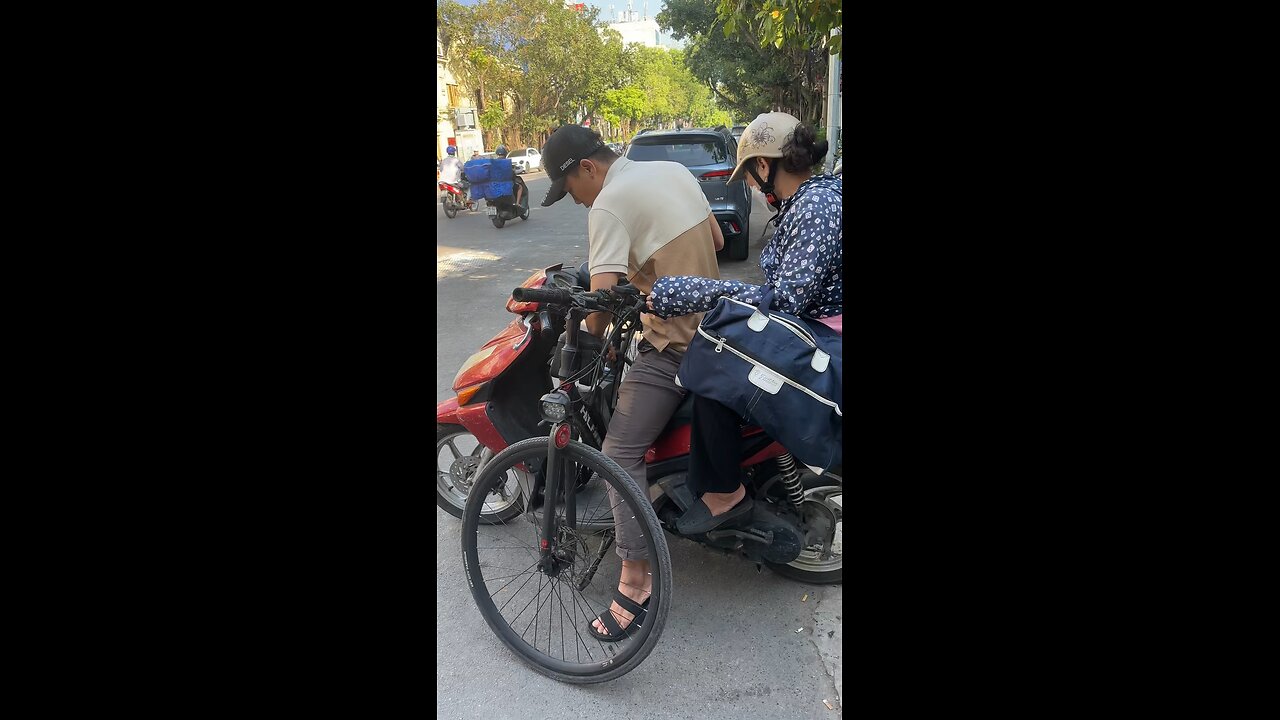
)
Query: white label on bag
[
  {"x": 766, "y": 379},
  {"x": 757, "y": 321},
  {"x": 820, "y": 361}
]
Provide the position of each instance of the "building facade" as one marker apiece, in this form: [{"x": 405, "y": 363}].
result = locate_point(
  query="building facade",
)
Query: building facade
[
  {"x": 457, "y": 117},
  {"x": 635, "y": 27}
]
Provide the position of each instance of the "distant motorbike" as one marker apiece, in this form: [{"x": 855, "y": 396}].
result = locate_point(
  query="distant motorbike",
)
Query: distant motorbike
[{"x": 455, "y": 199}]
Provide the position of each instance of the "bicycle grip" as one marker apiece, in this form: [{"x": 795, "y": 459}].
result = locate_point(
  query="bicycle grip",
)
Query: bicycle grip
[{"x": 553, "y": 296}]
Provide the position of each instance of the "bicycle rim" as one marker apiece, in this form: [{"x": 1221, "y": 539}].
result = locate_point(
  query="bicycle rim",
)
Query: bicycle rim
[{"x": 544, "y": 616}]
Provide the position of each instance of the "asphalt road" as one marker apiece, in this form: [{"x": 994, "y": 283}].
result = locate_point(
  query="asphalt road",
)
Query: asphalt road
[{"x": 730, "y": 648}]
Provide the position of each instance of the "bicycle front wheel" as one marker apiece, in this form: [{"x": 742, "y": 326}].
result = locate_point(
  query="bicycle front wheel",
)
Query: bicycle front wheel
[{"x": 543, "y": 611}]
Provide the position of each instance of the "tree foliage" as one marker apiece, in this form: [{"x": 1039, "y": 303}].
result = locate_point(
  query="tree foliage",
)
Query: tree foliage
[
  {"x": 538, "y": 65},
  {"x": 806, "y": 23},
  {"x": 746, "y": 75},
  {"x": 547, "y": 61}
]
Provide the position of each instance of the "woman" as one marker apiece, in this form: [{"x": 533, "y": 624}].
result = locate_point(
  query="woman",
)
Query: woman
[{"x": 801, "y": 263}]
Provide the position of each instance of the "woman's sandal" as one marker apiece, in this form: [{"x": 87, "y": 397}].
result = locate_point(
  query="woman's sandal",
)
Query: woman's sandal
[{"x": 616, "y": 632}]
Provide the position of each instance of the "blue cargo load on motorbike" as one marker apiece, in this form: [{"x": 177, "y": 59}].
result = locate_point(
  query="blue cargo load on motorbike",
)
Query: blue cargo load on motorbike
[
  {"x": 500, "y": 191},
  {"x": 477, "y": 170},
  {"x": 483, "y": 173}
]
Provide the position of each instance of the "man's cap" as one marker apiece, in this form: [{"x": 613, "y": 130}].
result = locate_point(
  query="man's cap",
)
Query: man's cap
[
  {"x": 566, "y": 146},
  {"x": 764, "y": 137}
]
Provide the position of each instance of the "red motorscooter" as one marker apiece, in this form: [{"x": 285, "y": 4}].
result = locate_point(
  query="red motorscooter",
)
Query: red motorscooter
[
  {"x": 498, "y": 391},
  {"x": 454, "y": 199}
]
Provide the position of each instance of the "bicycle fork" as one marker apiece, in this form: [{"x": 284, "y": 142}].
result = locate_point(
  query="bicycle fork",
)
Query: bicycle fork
[{"x": 553, "y": 556}]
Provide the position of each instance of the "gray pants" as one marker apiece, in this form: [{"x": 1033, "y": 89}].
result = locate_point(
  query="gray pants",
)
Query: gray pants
[{"x": 647, "y": 399}]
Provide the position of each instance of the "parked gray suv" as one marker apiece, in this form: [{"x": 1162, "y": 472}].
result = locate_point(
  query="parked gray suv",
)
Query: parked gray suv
[{"x": 711, "y": 156}]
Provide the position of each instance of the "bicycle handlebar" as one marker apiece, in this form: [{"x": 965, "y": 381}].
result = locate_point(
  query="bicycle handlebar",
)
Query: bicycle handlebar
[
  {"x": 553, "y": 296},
  {"x": 616, "y": 298}
]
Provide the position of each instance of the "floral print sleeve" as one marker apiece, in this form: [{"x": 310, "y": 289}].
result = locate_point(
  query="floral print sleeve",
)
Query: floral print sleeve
[
  {"x": 802, "y": 263},
  {"x": 684, "y": 294}
]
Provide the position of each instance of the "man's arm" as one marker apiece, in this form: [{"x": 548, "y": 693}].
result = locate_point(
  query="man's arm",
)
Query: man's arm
[
  {"x": 597, "y": 322},
  {"x": 716, "y": 234}
]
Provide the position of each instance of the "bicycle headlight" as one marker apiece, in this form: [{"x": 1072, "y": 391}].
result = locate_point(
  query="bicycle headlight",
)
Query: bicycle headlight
[{"x": 555, "y": 407}]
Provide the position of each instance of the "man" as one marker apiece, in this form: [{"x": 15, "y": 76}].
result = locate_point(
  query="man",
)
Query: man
[
  {"x": 646, "y": 220},
  {"x": 451, "y": 166},
  {"x": 521, "y": 190}
]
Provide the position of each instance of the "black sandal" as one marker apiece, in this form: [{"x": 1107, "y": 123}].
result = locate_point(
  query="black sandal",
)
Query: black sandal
[
  {"x": 698, "y": 519},
  {"x": 616, "y": 632}
]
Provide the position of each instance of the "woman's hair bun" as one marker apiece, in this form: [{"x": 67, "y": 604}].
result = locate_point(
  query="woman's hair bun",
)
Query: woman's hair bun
[{"x": 803, "y": 150}]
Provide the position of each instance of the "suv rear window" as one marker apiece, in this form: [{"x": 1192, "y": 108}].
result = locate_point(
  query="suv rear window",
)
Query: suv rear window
[{"x": 694, "y": 152}]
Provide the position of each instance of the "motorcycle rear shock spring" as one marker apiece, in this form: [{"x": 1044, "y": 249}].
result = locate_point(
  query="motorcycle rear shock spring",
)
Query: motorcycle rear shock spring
[{"x": 791, "y": 479}]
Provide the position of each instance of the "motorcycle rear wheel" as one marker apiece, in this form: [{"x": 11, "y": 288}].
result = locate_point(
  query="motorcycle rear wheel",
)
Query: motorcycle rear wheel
[
  {"x": 824, "y": 498},
  {"x": 497, "y": 221},
  {"x": 450, "y": 209}
]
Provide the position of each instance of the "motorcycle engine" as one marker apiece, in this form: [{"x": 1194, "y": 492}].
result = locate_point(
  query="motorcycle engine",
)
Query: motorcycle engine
[{"x": 788, "y": 539}]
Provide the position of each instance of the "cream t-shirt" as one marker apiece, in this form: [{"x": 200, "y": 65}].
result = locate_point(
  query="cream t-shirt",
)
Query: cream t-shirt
[{"x": 651, "y": 220}]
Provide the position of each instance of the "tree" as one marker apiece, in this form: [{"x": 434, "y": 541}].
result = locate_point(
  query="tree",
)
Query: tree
[
  {"x": 551, "y": 62},
  {"x": 782, "y": 22},
  {"x": 744, "y": 75}
]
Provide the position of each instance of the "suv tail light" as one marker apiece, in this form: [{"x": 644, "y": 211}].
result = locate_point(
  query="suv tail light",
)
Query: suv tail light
[{"x": 705, "y": 177}]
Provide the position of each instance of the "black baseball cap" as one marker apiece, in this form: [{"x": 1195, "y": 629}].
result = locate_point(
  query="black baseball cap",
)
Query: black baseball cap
[{"x": 566, "y": 146}]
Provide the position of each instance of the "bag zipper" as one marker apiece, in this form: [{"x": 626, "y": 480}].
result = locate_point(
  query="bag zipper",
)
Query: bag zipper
[
  {"x": 798, "y": 331},
  {"x": 722, "y": 343}
]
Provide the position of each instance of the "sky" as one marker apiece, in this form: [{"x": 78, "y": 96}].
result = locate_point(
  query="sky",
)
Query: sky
[{"x": 655, "y": 7}]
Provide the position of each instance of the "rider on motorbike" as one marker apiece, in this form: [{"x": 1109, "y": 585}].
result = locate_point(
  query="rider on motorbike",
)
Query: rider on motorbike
[
  {"x": 801, "y": 263},
  {"x": 451, "y": 166},
  {"x": 521, "y": 190},
  {"x": 451, "y": 171},
  {"x": 646, "y": 220}
]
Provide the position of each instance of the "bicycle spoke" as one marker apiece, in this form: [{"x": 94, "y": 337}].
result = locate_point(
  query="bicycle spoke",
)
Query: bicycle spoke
[{"x": 517, "y": 592}]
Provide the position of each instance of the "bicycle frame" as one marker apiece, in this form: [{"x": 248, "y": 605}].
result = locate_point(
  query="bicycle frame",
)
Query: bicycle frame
[{"x": 623, "y": 329}]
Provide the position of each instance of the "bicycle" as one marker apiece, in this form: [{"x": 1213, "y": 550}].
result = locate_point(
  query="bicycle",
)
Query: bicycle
[{"x": 564, "y": 541}]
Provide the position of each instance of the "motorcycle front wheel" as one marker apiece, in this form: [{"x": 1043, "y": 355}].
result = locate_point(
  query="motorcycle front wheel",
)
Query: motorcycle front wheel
[{"x": 459, "y": 458}]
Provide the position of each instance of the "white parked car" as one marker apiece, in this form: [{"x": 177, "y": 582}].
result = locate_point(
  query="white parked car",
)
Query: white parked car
[{"x": 525, "y": 159}]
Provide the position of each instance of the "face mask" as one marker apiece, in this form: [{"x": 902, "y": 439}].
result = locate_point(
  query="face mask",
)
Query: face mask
[{"x": 767, "y": 187}]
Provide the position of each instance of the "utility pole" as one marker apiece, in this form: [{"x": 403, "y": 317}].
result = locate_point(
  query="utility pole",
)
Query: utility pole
[{"x": 833, "y": 108}]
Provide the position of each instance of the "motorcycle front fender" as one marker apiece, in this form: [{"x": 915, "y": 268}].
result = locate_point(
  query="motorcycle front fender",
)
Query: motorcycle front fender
[{"x": 447, "y": 412}]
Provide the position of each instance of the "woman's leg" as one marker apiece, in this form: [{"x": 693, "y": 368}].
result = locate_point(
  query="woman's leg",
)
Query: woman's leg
[{"x": 715, "y": 451}]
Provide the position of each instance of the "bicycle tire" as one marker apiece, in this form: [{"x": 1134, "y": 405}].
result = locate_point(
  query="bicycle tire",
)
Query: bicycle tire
[{"x": 612, "y": 664}]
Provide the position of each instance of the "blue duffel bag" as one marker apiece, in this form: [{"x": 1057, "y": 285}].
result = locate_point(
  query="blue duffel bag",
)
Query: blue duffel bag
[
  {"x": 477, "y": 190},
  {"x": 478, "y": 170},
  {"x": 775, "y": 370}
]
